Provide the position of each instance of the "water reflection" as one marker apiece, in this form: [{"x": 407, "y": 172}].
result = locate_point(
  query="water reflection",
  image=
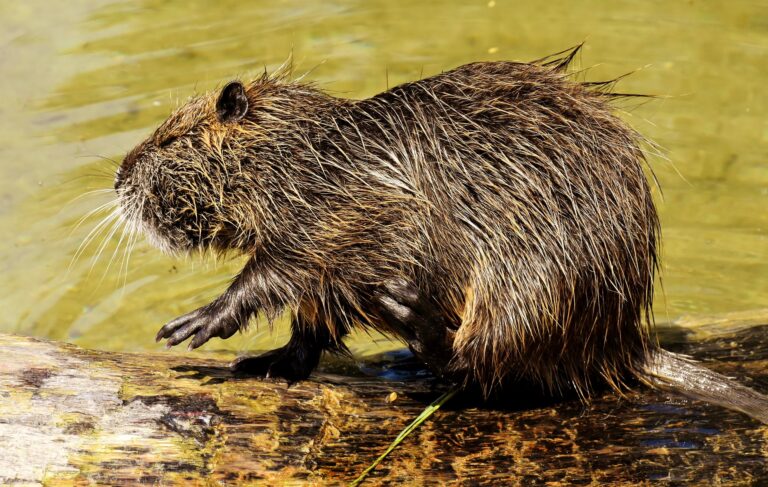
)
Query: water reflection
[{"x": 88, "y": 79}]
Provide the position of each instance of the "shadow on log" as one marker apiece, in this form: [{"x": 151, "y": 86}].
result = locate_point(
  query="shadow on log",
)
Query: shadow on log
[{"x": 69, "y": 415}]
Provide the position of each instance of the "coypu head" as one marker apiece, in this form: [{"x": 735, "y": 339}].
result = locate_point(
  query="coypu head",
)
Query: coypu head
[{"x": 195, "y": 182}]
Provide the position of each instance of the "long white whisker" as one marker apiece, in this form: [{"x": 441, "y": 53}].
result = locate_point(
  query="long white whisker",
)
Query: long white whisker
[
  {"x": 132, "y": 225},
  {"x": 89, "y": 193},
  {"x": 120, "y": 225},
  {"x": 115, "y": 225},
  {"x": 91, "y": 213},
  {"x": 127, "y": 254},
  {"x": 104, "y": 223}
]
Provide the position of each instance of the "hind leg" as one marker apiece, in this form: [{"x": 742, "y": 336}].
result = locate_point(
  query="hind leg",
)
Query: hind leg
[{"x": 417, "y": 320}]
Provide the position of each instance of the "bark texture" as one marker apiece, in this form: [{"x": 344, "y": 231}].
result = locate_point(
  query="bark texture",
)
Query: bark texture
[{"x": 74, "y": 416}]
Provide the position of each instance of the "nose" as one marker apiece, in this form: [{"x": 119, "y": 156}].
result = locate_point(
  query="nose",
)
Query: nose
[
  {"x": 118, "y": 180},
  {"x": 125, "y": 167}
]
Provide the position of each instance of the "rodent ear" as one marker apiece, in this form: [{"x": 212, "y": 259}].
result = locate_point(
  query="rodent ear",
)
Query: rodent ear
[{"x": 232, "y": 104}]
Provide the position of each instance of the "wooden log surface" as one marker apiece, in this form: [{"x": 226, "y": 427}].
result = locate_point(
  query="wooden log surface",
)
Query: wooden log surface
[{"x": 74, "y": 416}]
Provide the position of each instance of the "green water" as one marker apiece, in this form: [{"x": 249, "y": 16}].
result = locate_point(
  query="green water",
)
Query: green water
[{"x": 82, "y": 82}]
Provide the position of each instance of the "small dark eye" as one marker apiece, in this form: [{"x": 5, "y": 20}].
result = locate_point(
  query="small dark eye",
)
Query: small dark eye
[{"x": 166, "y": 142}]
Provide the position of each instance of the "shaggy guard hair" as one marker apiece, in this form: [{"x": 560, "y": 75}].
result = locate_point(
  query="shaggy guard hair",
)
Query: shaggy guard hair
[{"x": 508, "y": 193}]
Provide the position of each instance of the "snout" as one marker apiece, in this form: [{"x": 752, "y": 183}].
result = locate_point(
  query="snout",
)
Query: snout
[
  {"x": 127, "y": 165},
  {"x": 118, "y": 179}
]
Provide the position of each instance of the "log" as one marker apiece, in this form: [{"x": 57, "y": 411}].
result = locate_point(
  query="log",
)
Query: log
[{"x": 75, "y": 416}]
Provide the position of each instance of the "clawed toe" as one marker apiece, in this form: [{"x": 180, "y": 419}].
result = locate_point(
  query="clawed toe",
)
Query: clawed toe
[
  {"x": 404, "y": 293},
  {"x": 394, "y": 309},
  {"x": 202, "y": 325},
  {"x": 173, "y": 326}
]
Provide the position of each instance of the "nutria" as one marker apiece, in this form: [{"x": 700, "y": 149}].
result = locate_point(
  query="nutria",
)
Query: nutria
[{"x": 496, "y": 217}]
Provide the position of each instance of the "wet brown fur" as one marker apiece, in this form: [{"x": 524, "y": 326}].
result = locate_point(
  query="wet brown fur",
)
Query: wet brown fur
[{"x": 508, "y": 192}]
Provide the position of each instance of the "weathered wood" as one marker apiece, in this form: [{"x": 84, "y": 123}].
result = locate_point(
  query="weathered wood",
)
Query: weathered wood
[{"x": 69, "y": 415}]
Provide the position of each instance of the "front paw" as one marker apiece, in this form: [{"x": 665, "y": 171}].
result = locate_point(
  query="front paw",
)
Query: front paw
[
  {"x": 275, "y": 364},
  {"x": 202, "y": 324}
]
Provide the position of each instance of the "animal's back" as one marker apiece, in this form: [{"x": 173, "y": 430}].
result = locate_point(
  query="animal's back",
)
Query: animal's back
[{"x": 537, "y": 226}]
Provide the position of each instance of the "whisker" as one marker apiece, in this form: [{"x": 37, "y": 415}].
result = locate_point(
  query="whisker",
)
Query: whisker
[
  {"x": 133, "y": 236},
  {"x": 115, "y": 226},
  {"x": 103, "y": 158},
  {"x": 120, "y": 225},
  {"x": 100, "y": 173},
  {"x": 91, "y": 213},
  {"x": 93, "y": 192},
  {"x": 104, "y": 223},
  {"x": 130, "y": 222}
]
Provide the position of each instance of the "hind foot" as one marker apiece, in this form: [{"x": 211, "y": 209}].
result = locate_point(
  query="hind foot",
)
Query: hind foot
[
  {"x": 417, "y": 320},
  {"x": 282, "y": 363}
]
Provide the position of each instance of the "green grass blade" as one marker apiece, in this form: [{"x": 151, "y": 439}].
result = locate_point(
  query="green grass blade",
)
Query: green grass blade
[{"x": 428, "y": 411}]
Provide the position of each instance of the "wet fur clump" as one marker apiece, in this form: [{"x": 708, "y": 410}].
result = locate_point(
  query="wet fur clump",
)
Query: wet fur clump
[{"x": 509, "y": 194}]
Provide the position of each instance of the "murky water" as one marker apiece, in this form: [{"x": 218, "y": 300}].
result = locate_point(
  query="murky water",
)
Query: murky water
[{"x": 82, "y": 82}]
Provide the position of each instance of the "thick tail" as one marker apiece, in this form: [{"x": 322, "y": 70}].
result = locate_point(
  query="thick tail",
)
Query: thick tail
[{"x": 676, "y": 373}]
